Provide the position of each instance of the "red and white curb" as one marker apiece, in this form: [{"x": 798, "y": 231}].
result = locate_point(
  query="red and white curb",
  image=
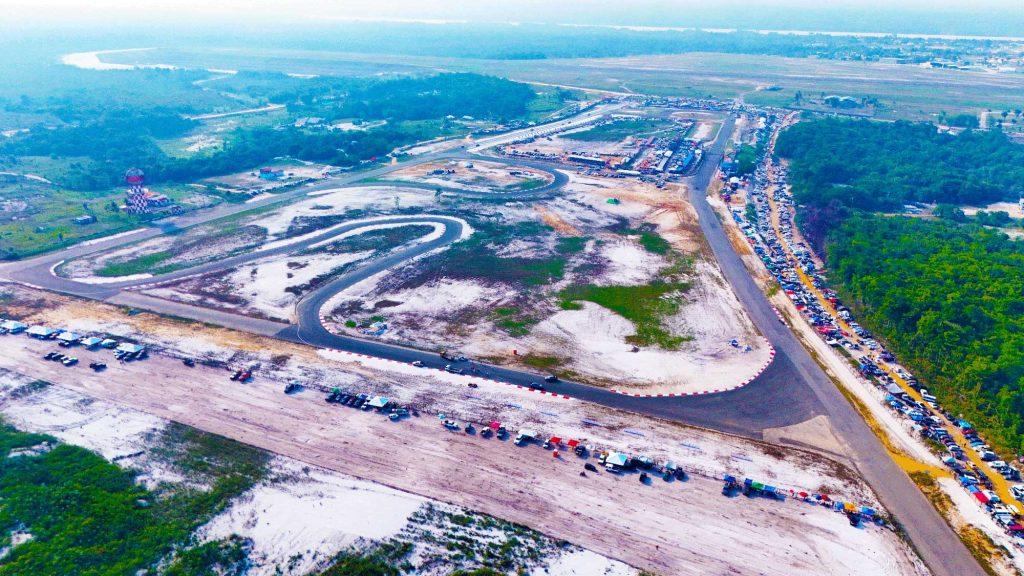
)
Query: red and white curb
[
  {"x": 771, "y": 357},
  {"x": 469, "y": 379}
]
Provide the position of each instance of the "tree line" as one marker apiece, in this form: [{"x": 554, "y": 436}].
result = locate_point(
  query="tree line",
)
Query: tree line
[
  {"x": 94, "y": 153},
  {"x": 839, "y": 166},
  {"x": 948, "y": 299}
]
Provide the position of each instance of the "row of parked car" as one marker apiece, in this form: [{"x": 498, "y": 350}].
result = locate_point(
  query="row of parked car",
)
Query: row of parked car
[
  {"x": 364, "y": 402},
  {"x": 926, "y": 416}
]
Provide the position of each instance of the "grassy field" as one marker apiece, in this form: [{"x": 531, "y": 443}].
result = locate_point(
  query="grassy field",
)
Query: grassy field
[
  {"x": 904, "y": 91},
  {"x": 45, "y": 221}
]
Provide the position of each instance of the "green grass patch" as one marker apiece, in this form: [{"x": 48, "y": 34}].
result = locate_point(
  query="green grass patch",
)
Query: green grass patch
[
  {"x": 644, "y": 306},
  {"x": 513, "y": 321},
  {"x": 89, "y": 517},
  {"x": 140, "y": 265},
  {"x": 475, "y": 258},
  {"x": 387, "y": 559},
  {"x": 542, "y": 362},
  {"x": 570, "y": 244},
  {"x": 654, "y": 243},
  {"x": 227, "y": 557}
]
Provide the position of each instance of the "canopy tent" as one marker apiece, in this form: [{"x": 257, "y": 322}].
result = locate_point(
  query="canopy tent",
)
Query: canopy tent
[
  {"x": 40, "y": 331},
  {"x": 616, "y": 459},
  {"x": 130, "y": 348},
  {"x": 378, "y": 402},
  {"x": 13, "y": 326}
]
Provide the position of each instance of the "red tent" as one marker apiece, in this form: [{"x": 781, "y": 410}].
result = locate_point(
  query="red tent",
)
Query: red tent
[
  {"x": 554, "y": 441},
  {"x": 573, "y": 443},
  {"x": 495, "y": 424}
]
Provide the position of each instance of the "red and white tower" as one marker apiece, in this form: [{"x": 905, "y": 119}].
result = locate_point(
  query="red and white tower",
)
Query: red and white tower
[{"x": 135, "y": 201}]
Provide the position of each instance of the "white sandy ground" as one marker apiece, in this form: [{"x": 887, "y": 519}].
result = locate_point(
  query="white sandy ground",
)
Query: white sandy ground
[
  {"x": 18, "y": 538},
  {"x": 592, "y": 340},
  {"x": 312, "y": 512},
  {"x": 657, "y": 524},
  {"x": 629, "y": 264},
  {"x": 584, "y": 563},
  {"x": 91, "y": 61},
  {"x": 300, "y": 511},
  {"x": 112, "y": 431},
  {"x": 702, "y": 131},
  {"x": 1012, "y": 208},
  {"x": 971, "y": 512},
  {"x": 261, "y": 287},
  {"x": 482, "y": 177}
]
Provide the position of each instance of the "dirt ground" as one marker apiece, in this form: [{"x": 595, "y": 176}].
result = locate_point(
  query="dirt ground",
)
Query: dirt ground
[
  {"x": 670, "y": 528},
  {"x": 299, "y": 516},
  {"x": 250, "y": 181},
  {"x": 591, "y": 343},
  {"x": 476, "y": 176},
  {"x": 556, "y": 147}
]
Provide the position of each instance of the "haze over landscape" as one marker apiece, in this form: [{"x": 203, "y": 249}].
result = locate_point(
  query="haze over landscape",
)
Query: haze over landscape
[{"x": 503, "y": 288}]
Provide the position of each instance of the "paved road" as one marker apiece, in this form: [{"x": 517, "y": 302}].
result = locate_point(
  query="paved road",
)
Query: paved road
[{"x": 938, "y": 545}]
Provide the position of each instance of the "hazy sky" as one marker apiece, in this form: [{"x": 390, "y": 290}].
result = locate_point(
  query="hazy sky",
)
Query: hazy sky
[{"x": 859, "y": 15}]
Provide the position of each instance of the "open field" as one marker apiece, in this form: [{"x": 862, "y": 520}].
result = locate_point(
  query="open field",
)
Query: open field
[
  {"x": 36, "y": 216},
  {"x": 251, "y": 182},
  {"x": 241, "y": 233},
  {"x": 476, "y": 176},
  {"x": 652, "y": 527},
  {"x": 906, "y": 91}
]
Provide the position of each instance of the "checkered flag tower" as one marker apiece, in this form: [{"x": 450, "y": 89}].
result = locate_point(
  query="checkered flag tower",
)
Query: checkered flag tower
[{"x": 135, "y": 200}]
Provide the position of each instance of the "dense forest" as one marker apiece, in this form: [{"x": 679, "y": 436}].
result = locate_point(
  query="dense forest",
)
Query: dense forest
[
  {"x": 838, "y": 166},
  {"x": 949, "y": 300},
  {"x": 438, "y": 96},
  {"x": 99, "y": 147}
]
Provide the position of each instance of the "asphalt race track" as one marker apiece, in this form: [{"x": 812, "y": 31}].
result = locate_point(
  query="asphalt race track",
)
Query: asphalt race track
[{"x": 792, "y": 389}]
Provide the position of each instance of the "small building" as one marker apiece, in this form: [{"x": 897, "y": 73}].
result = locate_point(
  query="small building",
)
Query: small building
[
  {"x": 13, "y": 326},
  {"x": 41, "y": 332},
  {"x": 108, "y": 343},
  {"x": 272, "y": 174},
  {"x": 68, "y": 338},
  {"x": 84, "y": 219}
]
